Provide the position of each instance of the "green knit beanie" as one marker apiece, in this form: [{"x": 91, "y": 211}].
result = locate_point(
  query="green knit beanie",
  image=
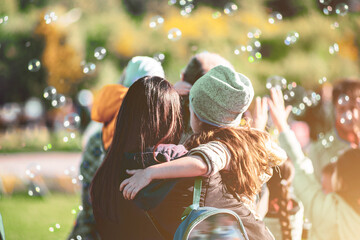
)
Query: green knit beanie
[{"x": 221, "y": 96}]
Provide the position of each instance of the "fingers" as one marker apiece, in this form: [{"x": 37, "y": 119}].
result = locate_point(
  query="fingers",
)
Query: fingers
[
  {"x": 127, "y": 191},
  {"x": 271, "y": 105},
  {"x": 124, "y": 183},
  {"x": 288, "y": 110},
  {"x": 264, "y": 105},
  {"x": 257, "y": 105},
  {"x": 132, "y": 172},
  {"x": 134, "y": 192}
]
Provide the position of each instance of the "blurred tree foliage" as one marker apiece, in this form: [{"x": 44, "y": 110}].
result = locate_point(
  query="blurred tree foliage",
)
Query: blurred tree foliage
[{"x": 122, "y": 27}]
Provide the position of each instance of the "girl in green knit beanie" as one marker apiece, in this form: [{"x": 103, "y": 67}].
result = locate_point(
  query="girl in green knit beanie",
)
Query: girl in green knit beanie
[{"x": 242, "y": 154}]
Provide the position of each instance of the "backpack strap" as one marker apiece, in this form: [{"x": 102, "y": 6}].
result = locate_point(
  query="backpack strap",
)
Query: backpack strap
[{"x": 196, "y": 198}]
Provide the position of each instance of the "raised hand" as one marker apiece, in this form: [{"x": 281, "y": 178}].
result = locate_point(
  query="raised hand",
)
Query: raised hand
[
  {"x": 278, "y": 112},
  {"x": 260, "y": 113},
  {"x": 131, "y": 186}
]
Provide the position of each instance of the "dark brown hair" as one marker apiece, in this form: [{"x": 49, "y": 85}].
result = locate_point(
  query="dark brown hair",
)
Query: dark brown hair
[
  {"x": 251, "y": 156},
  {"x": 279, "y": 185},
  {"x": 149, "y": 115},
  {"x": 348, "y": 168},
  {"x": 350, "y": 87}
]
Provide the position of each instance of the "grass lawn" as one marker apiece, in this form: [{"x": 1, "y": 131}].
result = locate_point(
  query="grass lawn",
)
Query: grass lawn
[{"x": 26, "y": 217}]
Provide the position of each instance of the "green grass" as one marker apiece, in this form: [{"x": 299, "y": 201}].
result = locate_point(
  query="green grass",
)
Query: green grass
[{"x": 27, "y": 217}]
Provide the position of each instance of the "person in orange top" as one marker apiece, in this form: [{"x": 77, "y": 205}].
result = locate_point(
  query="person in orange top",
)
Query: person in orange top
[{"x": 105, "y": 108}]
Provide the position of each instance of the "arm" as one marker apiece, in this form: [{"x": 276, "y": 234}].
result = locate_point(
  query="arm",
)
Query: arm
[
  {"x": 190, "y": 166},
  {"x": 307, "y": 189},
  {"x": 204, "y": 160}
]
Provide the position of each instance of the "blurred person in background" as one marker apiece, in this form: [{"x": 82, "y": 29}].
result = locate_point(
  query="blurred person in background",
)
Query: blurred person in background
[
  {"x": 335, "y": 215},
  {"x": 285, "y": 214},
  {"x": 104, "y": 111},
  {"x": 346, "y": 130},
  {"x": 198, "y": 65},
  {"x": 320, "y": 118},
  {"x": 326, "y": 176}
]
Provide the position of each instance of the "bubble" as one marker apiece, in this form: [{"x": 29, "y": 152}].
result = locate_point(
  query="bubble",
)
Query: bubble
[
  {"x": 49, "y": 93},
  {"x": 311, "y": 99},
  {"x": 291, "y": 38},
  {"x": 30, "y": 193},
  {"x": 4, "y": 20},
  {"x": 28, "y": 44},
  {"x": 34, "y": 65},
  {"x": 33, "y": 170},
  {"x": 72, "y": 135},
  {"x": 334, "y": 25},
  {"x": 89, "y": 68},
  {"x": 182, "y": 2},
  {"x": 239, "y": 49},
  {"x": 51, "y": 229},
  {"x": 251, "y": 59},
  {"x": 85, "y": 97},
  {"x": 57, "y": 226},
  {"x": 276, "y": 82},
  {"x": 346, "y": 118},
  {"x": 186, "y": 10},
  {"x": 258, "y": 55},
  {"x": 99, "y": 53},
  {"x": 160, "y": 57},
  {"x": 50, "y": 17},
  {"x": 341, "y": 9},
  {"x": 343, "y": 100},
  {"x": 325, "y": 2},
  {"x": 327, "y": 10},
  {"x": 81, "y": 177},
  {"x": 254, "y": 33},
  {"x": 33, "y": 108},
  {"x": 216, "y": 15},
  {"x": 65, "y": 139},
  {"x": 174, "y": 34},
  {"x": 72, "y": 121},
  {"x": 78, "y": 237},
  {"x": 171, "y": 2},
  {"x": 59, "y": 101},
  {"x": 230, "y": 8},
  {"x": 322, "y": 80},
  {"x": 10, "y": 112},
  {"x": 333, "y": 49},
  {"x": 156, "y": 22},
  {"x": 275, "y": 17}
]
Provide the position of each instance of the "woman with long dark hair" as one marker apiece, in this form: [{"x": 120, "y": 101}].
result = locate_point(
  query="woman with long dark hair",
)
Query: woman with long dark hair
[{"x": 149, "y": 119}]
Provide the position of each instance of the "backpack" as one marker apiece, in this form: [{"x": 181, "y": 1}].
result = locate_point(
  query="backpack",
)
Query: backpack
[{"x": 200, "y": 223}]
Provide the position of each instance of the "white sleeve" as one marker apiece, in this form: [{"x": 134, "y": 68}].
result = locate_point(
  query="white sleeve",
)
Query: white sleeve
[{"x": 215, "y": 154}]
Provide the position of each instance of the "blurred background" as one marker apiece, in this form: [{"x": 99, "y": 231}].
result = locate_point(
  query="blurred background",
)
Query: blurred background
[{"x": 56, "y": 55}]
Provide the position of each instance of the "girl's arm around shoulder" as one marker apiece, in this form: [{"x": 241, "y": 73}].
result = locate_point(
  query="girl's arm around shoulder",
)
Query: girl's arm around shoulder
[{"x": 189, "y": 166}]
